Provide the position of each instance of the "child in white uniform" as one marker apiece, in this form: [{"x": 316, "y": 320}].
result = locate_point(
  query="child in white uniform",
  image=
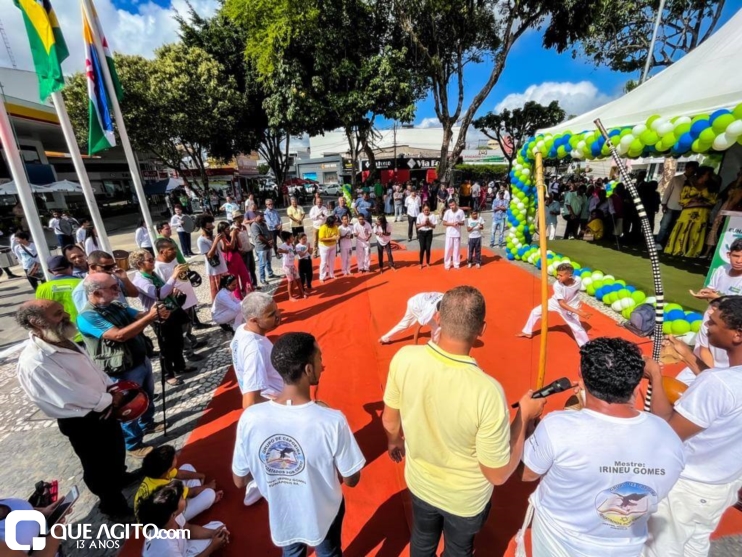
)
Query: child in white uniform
[
  {"x": 475, "y": 225},
  {"x": 289, "y": 268},
  {"x": 453, "y": 220},
  {"x": 565, "y": 302},
  {"x": 421, "y": 308},
  {"x": 362, "y": 231},
  {"x": 346, "y": 245}
]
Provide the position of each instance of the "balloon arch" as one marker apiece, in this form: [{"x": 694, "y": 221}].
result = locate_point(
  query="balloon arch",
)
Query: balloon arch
[{"x": 709, "y": 134}]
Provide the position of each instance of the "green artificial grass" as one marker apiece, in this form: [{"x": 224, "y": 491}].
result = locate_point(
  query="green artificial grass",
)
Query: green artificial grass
[{"x": 632, "y": 265}]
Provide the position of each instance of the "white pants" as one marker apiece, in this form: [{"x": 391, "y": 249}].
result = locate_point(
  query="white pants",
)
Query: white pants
[
  {"x": 363, "y": 255},
  {"x": 570, "y": 318},
  {"x": 551, "y": 230},
  {"x": 196, "y": 547},
  {"x": 198, "y": 504},
  {"x": 687, "y": 517},
  {"x": 408, "y": 321},
  {"x": 346, "y": 253},
  {"x": 233, "y": 318},
  {"x": 327, "y": 262},
  {"x": 452, "y": 253}
]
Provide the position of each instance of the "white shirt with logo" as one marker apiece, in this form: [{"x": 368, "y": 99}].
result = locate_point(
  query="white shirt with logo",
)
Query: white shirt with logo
[
  {"x": 251, "y": 357},
  {"x": 294, "y": 453},
  {"x": 413, "y": 205},
  {"x": 454, "y": 217},
  {"x": 603, "y": 477},
  {"x": 474, "y": 224},
  {"x": 724, "y": 283},
  {"x": 714, "y": 402}
]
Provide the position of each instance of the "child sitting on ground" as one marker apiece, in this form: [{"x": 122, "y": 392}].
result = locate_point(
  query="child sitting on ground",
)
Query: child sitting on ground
[
  {"x": 289, "y": 269},
  {"x": 160, "y": 466},
  {"x": 165, "y": 508},
  {"x": 595, "y": 226}
]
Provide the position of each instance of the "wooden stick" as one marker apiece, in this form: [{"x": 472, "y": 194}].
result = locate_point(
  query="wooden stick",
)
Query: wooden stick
[{"x": 541, "y": 188}]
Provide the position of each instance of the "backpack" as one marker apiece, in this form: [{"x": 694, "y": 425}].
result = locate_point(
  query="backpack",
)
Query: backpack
[{"x": 642, "y": 320}]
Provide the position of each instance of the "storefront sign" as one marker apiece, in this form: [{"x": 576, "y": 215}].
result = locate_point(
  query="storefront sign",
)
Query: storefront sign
[{"x": 407, "y": 163}]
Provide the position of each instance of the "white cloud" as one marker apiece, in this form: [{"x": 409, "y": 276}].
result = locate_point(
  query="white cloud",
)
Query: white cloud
[
  {"x": 129, "y": 33},
  {"x": 574, "y": 98},
  {"x": 429, "y": 123}
]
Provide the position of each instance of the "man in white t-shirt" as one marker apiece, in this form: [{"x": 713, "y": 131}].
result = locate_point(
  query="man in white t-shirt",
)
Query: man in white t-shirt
[
  {"x": 251, "y": 357},
  {"x": 299, "y": 452},
  {"x": 565, "y": 302},
  {"x": 726, "y": 280},
  {"x": 362, "y": 231},
  {"x": 317, "y": 214},
  {"x": 453, "y": 219},
  {"x": 708, "y": 418},
  {"x": 604, "y": 468},
  {"x": 229, "y": 207},
  {"x": 421, "y": 308},
  {"x": 413, "y": 206}
]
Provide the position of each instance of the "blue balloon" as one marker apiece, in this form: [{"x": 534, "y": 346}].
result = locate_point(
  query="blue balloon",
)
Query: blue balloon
[
  {"x": 538, "y": 264},
  {"x": 684, "y": 143},
  {"x": 600, "y": 292},
  {"x": 675, "y": 314},
  {"x": 568, "y": 147},
  {"x": 510, "y": 256},
  {"x": 697, "y": 127},
  {"x": 585, "y": 269},
  {"x": 549, "y": 256},
  {"x": 720, "y": 112},
  {"x": 595, "y": 149},
  {"x": 693, "y": 316},
  {"x": 630, "y": 288}
]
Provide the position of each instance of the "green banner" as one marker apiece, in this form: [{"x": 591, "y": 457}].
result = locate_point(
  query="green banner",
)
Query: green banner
[{"x": 730, "y": 231}]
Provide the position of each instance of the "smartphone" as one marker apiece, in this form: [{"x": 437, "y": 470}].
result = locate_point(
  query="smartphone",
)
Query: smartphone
[{"x": 65, "y": 506}]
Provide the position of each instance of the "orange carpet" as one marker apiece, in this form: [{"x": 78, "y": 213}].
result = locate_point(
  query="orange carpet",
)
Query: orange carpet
[{"x": 347, "y": 316}]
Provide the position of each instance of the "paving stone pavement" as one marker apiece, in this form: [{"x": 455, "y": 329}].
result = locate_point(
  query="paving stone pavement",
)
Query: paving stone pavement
[{"x": 32, "y": 448}]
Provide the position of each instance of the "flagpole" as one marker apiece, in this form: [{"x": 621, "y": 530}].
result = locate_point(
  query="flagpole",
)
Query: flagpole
[
  {"x": 18, "y": 171},
  {"x": 82, "y": 174},
  {"x": 130, "y": 158}
]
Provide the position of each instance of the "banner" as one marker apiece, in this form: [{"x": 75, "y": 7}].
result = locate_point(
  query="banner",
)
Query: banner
[{"x": 730, "y": 231}]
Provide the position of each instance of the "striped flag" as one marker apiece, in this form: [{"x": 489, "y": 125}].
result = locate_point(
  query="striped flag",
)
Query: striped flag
[
  {"x": 47, "y": 44},
  {"x": 100, "y": 130},
  {"x": 107, "y": 51}
]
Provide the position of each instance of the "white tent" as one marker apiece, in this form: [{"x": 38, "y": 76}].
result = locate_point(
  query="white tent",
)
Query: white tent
[
  {"x": 9, "y": 188},
  {"x": 174, "y": 183},
  {"x": 64, "y": 185},
  {"x": 706, "y": 79}
]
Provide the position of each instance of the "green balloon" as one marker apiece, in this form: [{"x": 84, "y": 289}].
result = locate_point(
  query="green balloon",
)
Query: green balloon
[
  {"x": 590, "y": 290},
  {"x": 667, "y": 327},
  {"x": 621, "y": 282},
  {"x": 670, "y": 307},
  {"x": 638, "y": 296},
  {"x": 598, "y": 284},
  {"x": 680, "y": 327},
  {"x": 707, "y": 135},
  {"x": 623, "y": 293},
  {"x": 720, "y": 124},
  {"x": 680, "y": 129},
  {"x": 696, "y": 325},
  {"x": 649, "y": 137},
  {"x": 699, "y": 117},
  {"x": 738, "y": 111}
]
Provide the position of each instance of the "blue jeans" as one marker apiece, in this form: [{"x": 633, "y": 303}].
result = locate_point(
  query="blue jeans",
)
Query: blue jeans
[
  {"x": 330, "y": 547},
  {"x": 666, "y": 224},
  {"x": 498, "y": 224},
  {"x": 141, "y": 375},
  {"x": 264, "y": 264}
]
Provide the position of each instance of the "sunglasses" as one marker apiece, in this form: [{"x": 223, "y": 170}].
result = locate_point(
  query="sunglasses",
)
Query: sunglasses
[{"x": 105, "y": 267}]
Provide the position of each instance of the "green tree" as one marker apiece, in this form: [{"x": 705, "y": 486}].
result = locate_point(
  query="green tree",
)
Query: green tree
[
  {"x": 511, "y": 128},
  {"x": 621, "y": 33},
  {"x": 339, "y": 63},
  {"x": 447, "y": 36}
]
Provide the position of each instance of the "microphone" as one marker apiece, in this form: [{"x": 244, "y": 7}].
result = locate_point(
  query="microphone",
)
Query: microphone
[{"x": 558, "y": 386}]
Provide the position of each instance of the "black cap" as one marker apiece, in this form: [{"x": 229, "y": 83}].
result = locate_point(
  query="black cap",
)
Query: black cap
[{"x": 57, "y": 263}]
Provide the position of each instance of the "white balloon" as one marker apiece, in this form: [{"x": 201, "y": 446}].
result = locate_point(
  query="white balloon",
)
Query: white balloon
[
  {"x": 650, "y": 300},
  {"x": 526, "y": 172},
  {"x": 639, "y": 129},
  {"x": 575, "y": 154},
  {"x": 723, "y": 142},
  {"x": 550, "y": 269},
  {"x": 597, "y": 275},
  {"x": 665, "y": 128},
  {"x": 520, "y": 206},
  {"x": 581, "y": 145},
  {"x": 626, "y": 140},
  {"x": 657, "y": 123},
  {"x": 540, "y": 144},
  {"x": 734, "y": 129},
  {"x": 587, "y": 281},
  {"x": 622, "y": 149},
  {"x": 682, "y": 120},
  {"x": 616, "y": 306},
  {"x": 535, "y": 150},
  {"x": 606, "y": 277}
]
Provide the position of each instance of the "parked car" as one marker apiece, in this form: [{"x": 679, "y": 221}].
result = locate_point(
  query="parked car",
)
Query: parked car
[{"x": 332, "y": 189}]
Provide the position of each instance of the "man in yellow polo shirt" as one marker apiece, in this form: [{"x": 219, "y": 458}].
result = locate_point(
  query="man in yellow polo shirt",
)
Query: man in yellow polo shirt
[{"x": 449, "y": 420}]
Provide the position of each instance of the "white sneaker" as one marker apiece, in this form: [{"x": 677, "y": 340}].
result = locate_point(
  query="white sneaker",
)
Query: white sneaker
[
  {"x": 252, "y": 494},
  {"x": 478, "y": 266},
  {"x": 469, "y": 265}
]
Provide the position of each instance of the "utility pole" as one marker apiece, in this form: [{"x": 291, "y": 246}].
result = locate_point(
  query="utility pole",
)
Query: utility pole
[
  {"x": 650, "y": 54},
  {"x": 395, "y": 152}
]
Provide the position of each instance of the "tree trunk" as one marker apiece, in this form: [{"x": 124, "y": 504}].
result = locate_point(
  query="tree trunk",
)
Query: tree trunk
[
  {"x": 372, "y": 171},
  {"x": 445, "y": 166}
]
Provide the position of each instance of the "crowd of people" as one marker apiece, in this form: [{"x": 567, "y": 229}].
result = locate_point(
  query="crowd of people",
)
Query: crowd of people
[
  {"x": 612, "y": 478},
  {"x": 690, "y": 208}
]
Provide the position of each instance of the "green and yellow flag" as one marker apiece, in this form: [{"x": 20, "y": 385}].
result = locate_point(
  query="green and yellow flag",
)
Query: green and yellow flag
[{"x": 47, "y": 44}]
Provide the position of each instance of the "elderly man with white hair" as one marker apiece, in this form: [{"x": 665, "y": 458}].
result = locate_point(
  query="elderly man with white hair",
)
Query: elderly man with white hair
[{"x": 251, "y": 356}]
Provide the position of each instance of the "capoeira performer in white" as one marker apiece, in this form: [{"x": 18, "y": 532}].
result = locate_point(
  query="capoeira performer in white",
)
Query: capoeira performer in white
[
  {"x": 453, "y": 220},
  {"x": 346, "y": 244},
  {"x": 421, "y": 308},
  {"x": 565, "y": 302},
  {"x": 362, "y": 231}
]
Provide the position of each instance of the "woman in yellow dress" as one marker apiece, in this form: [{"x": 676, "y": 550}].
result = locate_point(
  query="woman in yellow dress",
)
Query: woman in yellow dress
[
  {"x": 329, "y": 234},
  {"x": 689, "y": 234}
]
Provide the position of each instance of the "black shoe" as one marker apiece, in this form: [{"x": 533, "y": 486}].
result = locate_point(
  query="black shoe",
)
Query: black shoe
[
  {"x": 187, "y": 369},
  {"x": 195, "y": 357},
  {"x": 196, "y": 344},
  {"x": 202, "y": 326}
]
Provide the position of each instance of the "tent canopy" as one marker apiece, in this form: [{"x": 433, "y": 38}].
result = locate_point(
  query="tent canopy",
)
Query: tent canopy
[
  {"x": 9, "y": 188},
  {"x": 704, "y": 80}
]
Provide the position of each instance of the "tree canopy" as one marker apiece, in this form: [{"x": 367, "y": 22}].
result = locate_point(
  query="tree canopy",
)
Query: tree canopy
[
  {"x": 512, "y": 128},
  {"x": 620, "y": 35}
]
